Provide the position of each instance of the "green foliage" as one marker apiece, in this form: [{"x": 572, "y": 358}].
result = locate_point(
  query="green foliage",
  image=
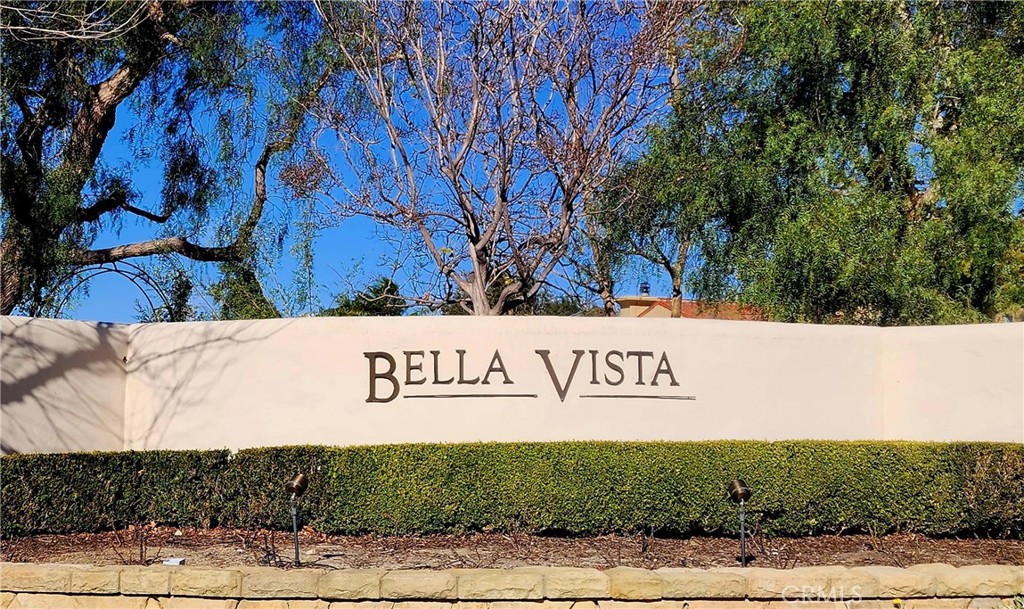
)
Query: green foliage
[
  {"x": 217, "y": 96},
  {"x": 664, "y": 206},
  {"x": 59, "y": 191},
  {"x": 239, "y": 295},
  {"x": 177, "y": 307},
  {"x": 256, "y": 477},
  {"x": 849, "y": 162},
  {"x": 544, "y": 302},
  {"x": 381, "y": 298},
  {"x": 85, "y": 492},
  {"x": 567, "y": 488},
  {"x": 893, "y": 207}
]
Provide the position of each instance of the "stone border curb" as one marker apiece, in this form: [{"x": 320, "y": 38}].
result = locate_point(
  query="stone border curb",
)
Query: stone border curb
[{"x": 619, "y": 585}]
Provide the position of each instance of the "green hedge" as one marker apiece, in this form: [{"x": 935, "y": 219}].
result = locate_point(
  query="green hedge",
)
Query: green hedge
[
  {"x": 85, "y": 492},
  {"x": 573, "y": 488}
]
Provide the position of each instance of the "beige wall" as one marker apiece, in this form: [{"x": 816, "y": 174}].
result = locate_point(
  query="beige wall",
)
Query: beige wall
[
  {"x": 306, "y": 381},
  {"x": 61, "y": 385},
  {"x": 954, "y": 382}
]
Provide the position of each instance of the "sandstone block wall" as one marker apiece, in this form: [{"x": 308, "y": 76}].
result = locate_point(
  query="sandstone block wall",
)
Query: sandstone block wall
[{"x": 938, "y": 586}]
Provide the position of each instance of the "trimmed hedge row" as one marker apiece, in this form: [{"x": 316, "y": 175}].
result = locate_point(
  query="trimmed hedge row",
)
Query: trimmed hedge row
[
  {"x": 573, "y": 488},
  {"x": 86, "y": 492}
]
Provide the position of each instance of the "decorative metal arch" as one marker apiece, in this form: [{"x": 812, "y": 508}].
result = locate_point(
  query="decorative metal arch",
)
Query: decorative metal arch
[{"x": 77, "y": 278}]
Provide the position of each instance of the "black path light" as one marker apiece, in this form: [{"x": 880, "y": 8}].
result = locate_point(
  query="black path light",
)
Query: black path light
[
  {"x": 739, "y": 493},
  {"x": 295, "y": 487}
]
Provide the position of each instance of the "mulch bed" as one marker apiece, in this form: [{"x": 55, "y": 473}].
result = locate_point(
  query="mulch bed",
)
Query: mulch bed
[{"x": 235, "y": 547}]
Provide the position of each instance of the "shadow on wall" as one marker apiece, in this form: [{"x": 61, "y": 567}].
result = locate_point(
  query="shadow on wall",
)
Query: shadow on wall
[
  {"x": 171, "y": 368},
  {"x": 64, "y": 385},
  {"x": 61, "y": 385}
]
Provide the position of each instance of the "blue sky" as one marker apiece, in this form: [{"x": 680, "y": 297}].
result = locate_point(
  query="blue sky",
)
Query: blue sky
[{"x": 347, "y": 255}]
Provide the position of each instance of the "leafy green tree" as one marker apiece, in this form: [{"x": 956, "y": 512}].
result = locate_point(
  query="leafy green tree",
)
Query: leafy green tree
[
  {"x": 238, "y": 294},
  {"x": 662, "y": 207},
  {"x": 221, "y": 93},
  {"x": 382, "y": 297},
  {"x": 867, "y": 162},
  {"x": 178, "y": 303}
]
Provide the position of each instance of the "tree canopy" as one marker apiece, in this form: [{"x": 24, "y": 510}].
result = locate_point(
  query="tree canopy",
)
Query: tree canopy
[
  {"x": 827, "y": 162},
  {"x": 214, "y": 103},
  {"x": 490, "y": 126},
  {"x": 862, "y": 163},
  {"x": 382, "y": 298}
]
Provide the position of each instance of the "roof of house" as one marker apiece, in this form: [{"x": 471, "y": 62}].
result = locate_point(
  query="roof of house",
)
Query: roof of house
[{"x": 695, "y": 309}]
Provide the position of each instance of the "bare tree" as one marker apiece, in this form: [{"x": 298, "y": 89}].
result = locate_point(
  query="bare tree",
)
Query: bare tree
[
  {"x": 61, "y": 19},
  {"x": 489, "y": 125}
]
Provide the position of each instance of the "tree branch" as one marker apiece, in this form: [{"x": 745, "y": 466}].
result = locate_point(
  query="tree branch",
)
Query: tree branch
[{"x": 167, "y": 245}]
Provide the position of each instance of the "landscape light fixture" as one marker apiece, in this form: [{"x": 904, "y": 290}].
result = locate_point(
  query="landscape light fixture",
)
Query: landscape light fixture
[
  {"x": 645, "y": 288},
  {"x": 295, "y": 487},
  {"x": 739, "y": 493}
]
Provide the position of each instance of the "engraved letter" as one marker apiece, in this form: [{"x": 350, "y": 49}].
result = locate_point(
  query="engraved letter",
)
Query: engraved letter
[
  {"x": 496, "y": 365},
  {"x": 640, "y": 355},
  {"x": 409, "y": 367},
  {"x": 615, "y": 367},
  {"x": 664, "y": 368},
  {"x": 462, "y": 373},
  {"x": 437, "y": 371},
  {"x": 389, "y": 375},
  {"x": 562, "y": 390}
]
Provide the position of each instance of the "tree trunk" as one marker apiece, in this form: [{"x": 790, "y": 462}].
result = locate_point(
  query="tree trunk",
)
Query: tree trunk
[
  {"x": 11, "y": 276},
  {"x": 678, "y": 273},
  {"x": 478, "y": 296},
  {"x": 677, "y": 296},
  {"x": 607, "y": 298}
]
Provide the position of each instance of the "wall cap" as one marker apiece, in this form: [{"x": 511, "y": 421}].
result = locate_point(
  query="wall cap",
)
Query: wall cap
[{"x": 530, "y": 584}]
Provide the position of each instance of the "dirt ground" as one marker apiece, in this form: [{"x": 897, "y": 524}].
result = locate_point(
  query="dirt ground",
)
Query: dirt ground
[{"x": 229, "y": 547}]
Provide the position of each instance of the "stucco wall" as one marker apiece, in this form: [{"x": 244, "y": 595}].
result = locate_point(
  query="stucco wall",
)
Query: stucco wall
[
  {"x": 308, "y": 381},
  {"x": 61, "y": 385},
  {"x": 954, "y": 382}
]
